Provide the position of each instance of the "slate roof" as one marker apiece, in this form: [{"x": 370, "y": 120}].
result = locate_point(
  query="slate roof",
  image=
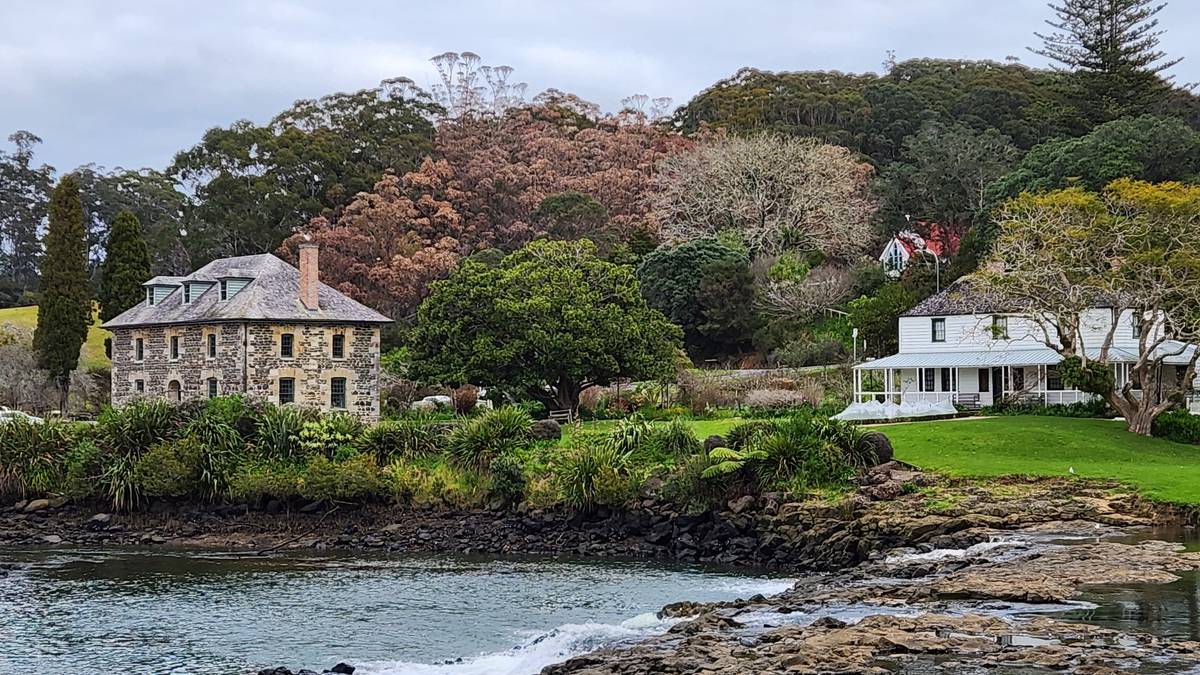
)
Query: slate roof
[
  {"x": 965, "y": 296},
  {"x": 272, "y": 295}
]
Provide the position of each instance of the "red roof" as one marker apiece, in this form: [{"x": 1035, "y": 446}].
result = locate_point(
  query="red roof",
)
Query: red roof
[{"x": 940, "y": 241}]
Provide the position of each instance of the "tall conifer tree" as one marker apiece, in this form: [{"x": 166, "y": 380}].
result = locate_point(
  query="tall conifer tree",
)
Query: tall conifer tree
[
  {"x": 1112, "y": 47},
  {"x": 64, "y": 305},
  {"x": 125, "y": 268}
]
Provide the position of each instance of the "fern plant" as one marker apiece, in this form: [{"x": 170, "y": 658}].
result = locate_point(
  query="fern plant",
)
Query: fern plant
[{"x": 726, "y": 462}]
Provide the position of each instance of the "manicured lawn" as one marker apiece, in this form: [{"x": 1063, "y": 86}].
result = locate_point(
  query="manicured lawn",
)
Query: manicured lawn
[
  {"x": 1051, "y": 446},
  {"x": 90, "y": 356}
]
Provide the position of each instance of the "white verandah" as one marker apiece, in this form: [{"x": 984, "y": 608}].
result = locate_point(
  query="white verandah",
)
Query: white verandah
[{"x": 979, "y": 378}]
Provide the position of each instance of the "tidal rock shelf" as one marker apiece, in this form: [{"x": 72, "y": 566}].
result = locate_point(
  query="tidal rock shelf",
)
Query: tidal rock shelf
[{"x": 962, "y": 614}]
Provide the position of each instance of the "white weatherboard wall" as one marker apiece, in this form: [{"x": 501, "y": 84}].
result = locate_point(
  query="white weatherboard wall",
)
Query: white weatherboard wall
[{"x": 973, "y": 332}]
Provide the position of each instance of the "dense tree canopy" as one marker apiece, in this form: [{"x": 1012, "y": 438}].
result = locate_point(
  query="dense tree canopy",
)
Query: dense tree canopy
[
  {"x": 703, "y": 287},
  {"x": 149, "y": 195},
  {"x": 942, "y": 177},
  {"x": 550, "y": 321},
  {"x": 1149, "y": 148},
  {"x": 252, "y": 185},
  {"x": 24, "y": 192}
]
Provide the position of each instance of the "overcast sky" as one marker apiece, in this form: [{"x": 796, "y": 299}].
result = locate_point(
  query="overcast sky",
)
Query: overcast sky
[{"x": 126, "y": 83}]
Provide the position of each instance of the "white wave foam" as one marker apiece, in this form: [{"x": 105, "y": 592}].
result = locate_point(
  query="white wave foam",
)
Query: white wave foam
[
  {"x": 935, "y": 555},
  {"x": 748, "y": 587},
  {"x": 554, "y": 646}
]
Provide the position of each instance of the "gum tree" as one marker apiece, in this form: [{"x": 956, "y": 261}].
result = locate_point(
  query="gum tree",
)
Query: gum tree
[{"x": 1135, "y": 246}]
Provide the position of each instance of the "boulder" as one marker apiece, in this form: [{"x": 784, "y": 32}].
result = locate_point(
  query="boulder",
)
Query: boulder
[
  {"x": 546, "y": 430},
  {"x": 715, "y": 441},
  {"x": 343, "y": 669},
  {"x": 99, "y": 521},
  {"x": 37, "y": 505},
  {"x": 52, "y": 539},
  {"x": 878, "y": 448}
]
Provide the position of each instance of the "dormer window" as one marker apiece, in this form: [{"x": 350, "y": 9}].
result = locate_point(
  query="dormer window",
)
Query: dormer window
[
  {"x": 187, "y": 294},
  {"x": 231, "y": 285},
  {"x": 156, "y": 293}
]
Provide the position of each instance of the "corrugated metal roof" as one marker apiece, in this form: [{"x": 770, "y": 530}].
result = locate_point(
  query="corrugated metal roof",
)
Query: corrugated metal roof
[
  {"x": 1176, "y": 354},
  {"x": 977, "y": 359}
]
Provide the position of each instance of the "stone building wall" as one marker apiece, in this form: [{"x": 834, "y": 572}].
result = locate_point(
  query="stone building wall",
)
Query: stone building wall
[
  {"x": 313, "y": 366},
  {"x": 191, "y": 371},
  {"x": 257, "y": 348}
]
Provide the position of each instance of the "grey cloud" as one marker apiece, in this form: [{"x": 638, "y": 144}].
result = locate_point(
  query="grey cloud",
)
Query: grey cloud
[{"x": 130, "y": 83}]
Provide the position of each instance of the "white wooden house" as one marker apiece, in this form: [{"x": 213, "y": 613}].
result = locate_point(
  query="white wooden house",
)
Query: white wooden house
[{"x": 965, "y": 347}]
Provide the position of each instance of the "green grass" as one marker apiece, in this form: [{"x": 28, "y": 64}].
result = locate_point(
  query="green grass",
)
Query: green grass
[
  {"x": 24, "y": 319},
  {"x": 1051, "y": 446}
]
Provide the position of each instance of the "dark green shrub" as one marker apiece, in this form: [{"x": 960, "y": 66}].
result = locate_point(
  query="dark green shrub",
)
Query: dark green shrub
[
  {"x": 31, "y": 456},
  {"x": 1096, "y": 408},
  {"x": 134, "y": 428},
  {"x": 170, "y": 469},
  {"x": 1178, "y": 425},
  {"x": 593, "y": 474},
  {"x": 403, "y": 439},
  {"x": 257, "y": 480},
  {"x": 744, "y": 433},
  {"x": 222, "y": 448},
  {"x": 357, "y": 478},
  {"x": 82, "y": 466},
  {"x": 479, "y": 440},
  {"x": 508, "y": 479},
  {"x": 278, "y": 436},
  {"x": 675, "y": 439},
  {"x": 124, "y": 435}
]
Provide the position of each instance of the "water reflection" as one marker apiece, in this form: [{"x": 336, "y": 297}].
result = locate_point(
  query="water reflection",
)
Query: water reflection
[{"x": 186, "y": 612}]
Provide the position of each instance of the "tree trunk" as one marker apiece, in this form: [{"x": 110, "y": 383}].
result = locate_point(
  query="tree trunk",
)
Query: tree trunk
[{"x": 1139, "y": 414}]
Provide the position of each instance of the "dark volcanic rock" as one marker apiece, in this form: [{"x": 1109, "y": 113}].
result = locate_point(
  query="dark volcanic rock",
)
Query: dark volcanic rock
[
  {"x": 880, "y": 445},
  {"x": 546, "y": 430}
]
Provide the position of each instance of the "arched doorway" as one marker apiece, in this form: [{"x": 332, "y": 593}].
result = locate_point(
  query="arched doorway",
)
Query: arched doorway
[{"x": 173, "y": 391}]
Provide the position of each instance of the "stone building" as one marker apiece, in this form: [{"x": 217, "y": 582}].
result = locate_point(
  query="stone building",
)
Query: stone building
[{"x": 250, "y": 325}]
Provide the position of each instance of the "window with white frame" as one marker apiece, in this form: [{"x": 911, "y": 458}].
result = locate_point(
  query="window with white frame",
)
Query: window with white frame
[{"x": 939, "y": 329}]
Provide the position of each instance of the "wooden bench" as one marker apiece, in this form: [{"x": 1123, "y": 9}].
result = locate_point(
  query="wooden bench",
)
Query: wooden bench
[
  {"x": 562, "y": 416},
  {"x": 968, "y": 401}
]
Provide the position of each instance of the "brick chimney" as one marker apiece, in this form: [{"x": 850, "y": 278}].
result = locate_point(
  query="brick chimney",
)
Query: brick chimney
[{"x": 310, "y": 276}]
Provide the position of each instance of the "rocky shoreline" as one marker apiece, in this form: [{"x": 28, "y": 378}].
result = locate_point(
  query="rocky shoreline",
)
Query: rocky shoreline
[
  {"x": 974, "y": 613},
  {"x": 892, "y": 507},
  {"x": 879, "y": 550}
]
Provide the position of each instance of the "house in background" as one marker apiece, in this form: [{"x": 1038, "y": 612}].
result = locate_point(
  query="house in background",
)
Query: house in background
[
  {"x": 965, "y": 346},
  {"x": 251, "y": 325},
  {"x": 941, "y": 244}
]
